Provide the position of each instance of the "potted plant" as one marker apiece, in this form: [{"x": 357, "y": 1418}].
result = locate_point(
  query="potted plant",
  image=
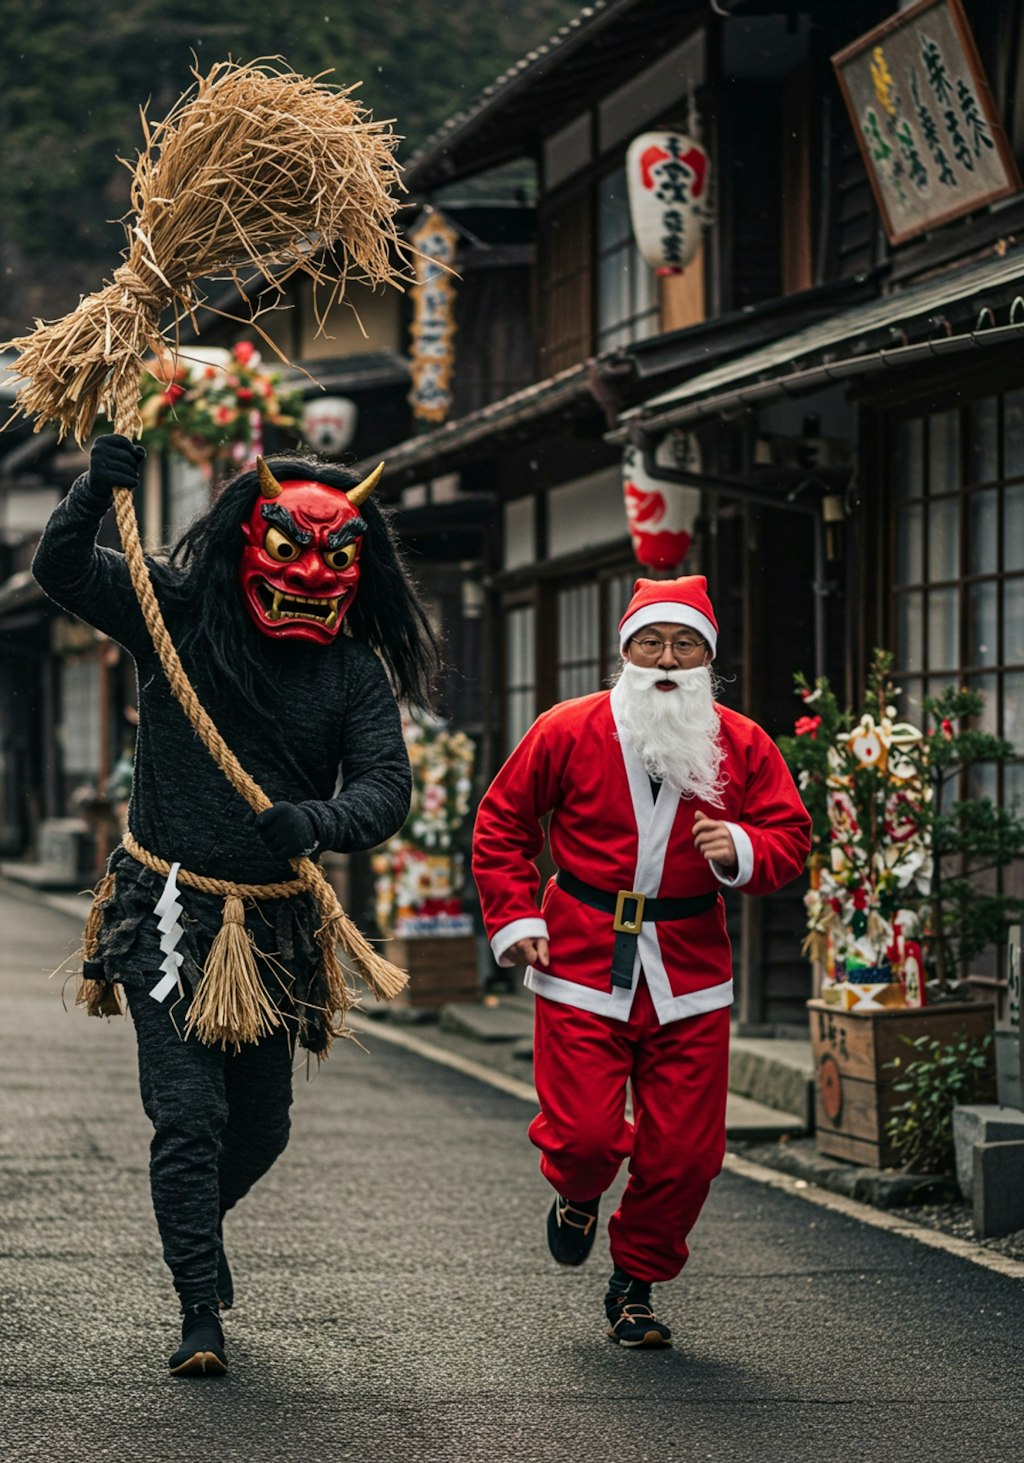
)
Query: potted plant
[{"x": 902, "y": 903}]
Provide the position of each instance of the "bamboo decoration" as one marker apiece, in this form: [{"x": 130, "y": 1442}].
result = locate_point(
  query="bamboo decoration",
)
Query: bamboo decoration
[{"x": 258, "y": 169}]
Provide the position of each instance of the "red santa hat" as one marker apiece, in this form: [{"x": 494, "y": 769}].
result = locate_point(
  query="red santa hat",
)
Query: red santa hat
[{"x": 671, "y": 602}]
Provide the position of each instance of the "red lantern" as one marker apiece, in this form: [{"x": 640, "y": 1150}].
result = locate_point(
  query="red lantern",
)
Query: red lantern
[
  {"x": 661, "y": 515},
  {"x": 667, "y": 178}
]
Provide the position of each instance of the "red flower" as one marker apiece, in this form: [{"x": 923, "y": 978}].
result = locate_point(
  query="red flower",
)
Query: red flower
[
  {"x": 807, "y": 726},
  {"x": 860, "y": 899},
  {"x": 244, "y": 394},
  {"x": 173, "y": 393},
  {"x": 244, "y": 351},
  {"x": 947, "y": 730}
]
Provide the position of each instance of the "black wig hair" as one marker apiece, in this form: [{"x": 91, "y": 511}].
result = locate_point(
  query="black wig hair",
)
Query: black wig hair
[{"x": 214, "y": 627}]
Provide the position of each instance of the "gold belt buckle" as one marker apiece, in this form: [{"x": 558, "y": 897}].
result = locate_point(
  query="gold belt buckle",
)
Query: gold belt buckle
[{"x": 621, "y": 925}]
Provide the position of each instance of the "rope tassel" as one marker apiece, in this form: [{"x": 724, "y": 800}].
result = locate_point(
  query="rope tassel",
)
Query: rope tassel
[
  {"x": 384, "y": 979},
  {"x": 231, "y": 1004},
  {"x": 99, "y": 997}
]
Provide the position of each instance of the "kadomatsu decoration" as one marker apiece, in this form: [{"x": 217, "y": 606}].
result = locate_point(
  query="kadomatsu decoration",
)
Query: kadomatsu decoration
[
  {"x": 897, "y": 897},
  {"x": 211, "y": 411},
  {"x": 419, "y": 872},
  {"x": 255, "y": 170}
]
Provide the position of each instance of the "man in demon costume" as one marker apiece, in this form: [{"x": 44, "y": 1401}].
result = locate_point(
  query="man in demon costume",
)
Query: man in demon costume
[
  {"x": 657, "y": 798},
  {"x": 255, "y": 596}
]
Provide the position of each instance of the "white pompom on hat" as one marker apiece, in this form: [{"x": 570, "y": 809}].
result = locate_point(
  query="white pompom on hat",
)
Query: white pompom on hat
[{"x": 671, "y": 602}]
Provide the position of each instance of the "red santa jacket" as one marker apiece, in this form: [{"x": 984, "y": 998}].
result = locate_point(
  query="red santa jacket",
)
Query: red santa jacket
[{"x": 608, "y": 830}]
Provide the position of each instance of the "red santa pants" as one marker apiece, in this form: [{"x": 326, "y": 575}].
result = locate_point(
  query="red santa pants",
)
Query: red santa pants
[{"x": 675, "y": 1144}]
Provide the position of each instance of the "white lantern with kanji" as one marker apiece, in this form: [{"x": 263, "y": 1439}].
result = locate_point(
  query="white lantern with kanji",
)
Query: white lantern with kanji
[
  {"x": 661, "y": 515},
  {"x": 667, "y": 179},
  {"x": 329, "y": 423}
]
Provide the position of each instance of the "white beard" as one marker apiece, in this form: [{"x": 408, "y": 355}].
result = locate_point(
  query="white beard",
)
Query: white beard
[{"x": 677, "y": 733}]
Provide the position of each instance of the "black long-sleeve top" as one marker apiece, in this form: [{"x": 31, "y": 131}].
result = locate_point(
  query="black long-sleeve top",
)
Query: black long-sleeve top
[
  {"x": 334, "y": 720},
  {"x": 334, "y": 725}
]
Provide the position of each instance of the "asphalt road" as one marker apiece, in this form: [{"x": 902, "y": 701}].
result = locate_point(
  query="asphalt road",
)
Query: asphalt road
[{"x": 396, "y": 1301}]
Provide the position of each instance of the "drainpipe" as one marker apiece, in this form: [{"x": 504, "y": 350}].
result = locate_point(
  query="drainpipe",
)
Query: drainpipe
[{"x": 710, "y": 483}]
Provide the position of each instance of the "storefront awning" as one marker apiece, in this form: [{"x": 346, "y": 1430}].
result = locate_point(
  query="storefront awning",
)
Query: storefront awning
[{"x": 850, "y": 344}]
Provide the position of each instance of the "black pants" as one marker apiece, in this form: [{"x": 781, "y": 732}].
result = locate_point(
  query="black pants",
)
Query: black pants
[{"x": 220, "y": 1120}]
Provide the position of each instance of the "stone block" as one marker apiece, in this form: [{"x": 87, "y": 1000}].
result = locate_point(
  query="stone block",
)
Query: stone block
[
  {"x": 981, "y": 1123},
  {"x": 998, "y": 1188}
]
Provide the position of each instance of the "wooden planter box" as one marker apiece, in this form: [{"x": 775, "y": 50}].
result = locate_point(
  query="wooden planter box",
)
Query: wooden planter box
[
  {"x": 442, "y": 968},
  {"x": 853, "y": 1088}
]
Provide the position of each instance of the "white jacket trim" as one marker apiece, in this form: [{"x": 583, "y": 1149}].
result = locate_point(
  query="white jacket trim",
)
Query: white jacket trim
[
  {"x": 520, "y": 929},
  {"x": 619, "y": 1003},
  {"x": 744, "y": 858}
]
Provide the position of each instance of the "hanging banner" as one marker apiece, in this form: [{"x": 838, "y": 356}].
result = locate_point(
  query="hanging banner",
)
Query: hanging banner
[
  {"x": 928, "y": 130},
  {"x": 432, "y": 354},
  {"x": 661, "y": 515},
  {"x": 667, "y": 180}
]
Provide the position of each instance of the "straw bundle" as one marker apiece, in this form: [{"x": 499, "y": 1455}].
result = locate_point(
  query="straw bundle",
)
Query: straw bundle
[{"x": 254, "y": 168}]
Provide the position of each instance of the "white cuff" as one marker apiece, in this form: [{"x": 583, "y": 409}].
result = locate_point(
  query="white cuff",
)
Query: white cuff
[
  {"x": 520, "y": 929},
  {"x": 744, "y": 859}
]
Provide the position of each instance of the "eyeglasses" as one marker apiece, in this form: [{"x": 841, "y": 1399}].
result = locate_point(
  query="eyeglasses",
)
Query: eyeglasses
[{"x": 649, "y": 647}]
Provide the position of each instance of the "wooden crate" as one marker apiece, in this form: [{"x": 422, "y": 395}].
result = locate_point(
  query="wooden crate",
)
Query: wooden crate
[
  {"x": 442, "y": 968},
  {"x": 853, "y": 1087}
]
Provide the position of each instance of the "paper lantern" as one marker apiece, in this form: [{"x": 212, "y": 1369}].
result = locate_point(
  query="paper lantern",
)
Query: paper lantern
[
  {"x": 329, "y": 423},
  {"x": 667, "y": 178},
  {"x": 661, "y": 515}
]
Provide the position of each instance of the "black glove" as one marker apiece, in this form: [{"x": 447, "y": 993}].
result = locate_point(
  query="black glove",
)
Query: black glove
[
  {"x": 114, "y": 463},
  {"x": 287, "y": 830}
]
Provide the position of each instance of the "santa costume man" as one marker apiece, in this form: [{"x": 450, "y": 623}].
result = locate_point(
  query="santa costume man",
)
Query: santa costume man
[{"x": 658, "y": 798}]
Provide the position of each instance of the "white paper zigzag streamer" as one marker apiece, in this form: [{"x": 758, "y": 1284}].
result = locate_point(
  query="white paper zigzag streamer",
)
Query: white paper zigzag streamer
[{"x": 169, "y": 910}]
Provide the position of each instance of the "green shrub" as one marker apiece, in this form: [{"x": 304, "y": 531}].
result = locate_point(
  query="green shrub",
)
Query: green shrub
[{"x": 941, "y": 1076}]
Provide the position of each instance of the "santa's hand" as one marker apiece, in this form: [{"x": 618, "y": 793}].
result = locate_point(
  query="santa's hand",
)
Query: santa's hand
[
  {"x": 528, "y": 951},
  {"x": 287, "y": 830},
  {"x": 714, "y": 842},
  {"x": 114, "y": 462}
]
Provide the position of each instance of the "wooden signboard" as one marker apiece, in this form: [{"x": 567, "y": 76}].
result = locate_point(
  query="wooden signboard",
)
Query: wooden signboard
[{"x": 925, "y": 120}]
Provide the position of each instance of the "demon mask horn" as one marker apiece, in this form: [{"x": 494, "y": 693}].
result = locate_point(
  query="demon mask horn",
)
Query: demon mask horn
[
  {"x": 271, "y": 488},
  {"x": 362, "y": 491},
  {"x": 269, "y": 485}
]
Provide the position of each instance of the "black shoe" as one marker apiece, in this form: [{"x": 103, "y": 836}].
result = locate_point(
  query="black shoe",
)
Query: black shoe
[
  {"x": 571, "y": 1229},
  {"x": 201, "y": 1353},
  {"x": 225, "y": 1285},
  {"x": 631, "y": 1319}
]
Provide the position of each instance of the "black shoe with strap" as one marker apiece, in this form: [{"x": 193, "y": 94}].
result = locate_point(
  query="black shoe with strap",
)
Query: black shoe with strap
[
  {"x": 201, "y": 1353},
  {"x": 631, "y": 1318},
  {"x": 572, "y": 1226}
]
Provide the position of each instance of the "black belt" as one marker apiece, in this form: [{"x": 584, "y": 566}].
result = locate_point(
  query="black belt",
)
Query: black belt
[{"x": 627, "y": 926}]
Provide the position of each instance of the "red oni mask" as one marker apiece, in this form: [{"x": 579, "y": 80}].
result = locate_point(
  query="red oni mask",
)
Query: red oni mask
[{"x": 299, "y": 569}]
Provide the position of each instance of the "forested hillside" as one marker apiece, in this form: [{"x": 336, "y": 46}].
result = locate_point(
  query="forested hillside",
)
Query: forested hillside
[{"x": 73, "y": 74}]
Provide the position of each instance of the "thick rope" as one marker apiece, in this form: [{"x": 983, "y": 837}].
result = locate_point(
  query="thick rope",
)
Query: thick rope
[
  {"x": 222, "y": 888},
  {"x": 383, "y": 978}
]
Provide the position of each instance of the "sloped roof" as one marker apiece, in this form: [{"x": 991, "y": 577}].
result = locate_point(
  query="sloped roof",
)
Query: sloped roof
[{"x": 594, "y": 52}]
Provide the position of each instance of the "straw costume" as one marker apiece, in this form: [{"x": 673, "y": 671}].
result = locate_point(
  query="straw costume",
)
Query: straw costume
[{"x": 267, "y": 648}]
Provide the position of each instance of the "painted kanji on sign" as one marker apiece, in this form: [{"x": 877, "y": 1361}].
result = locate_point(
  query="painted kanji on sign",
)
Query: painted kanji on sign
[
  {"x": 433, "y": 328},
  {"x": 925, "y": 120}
]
